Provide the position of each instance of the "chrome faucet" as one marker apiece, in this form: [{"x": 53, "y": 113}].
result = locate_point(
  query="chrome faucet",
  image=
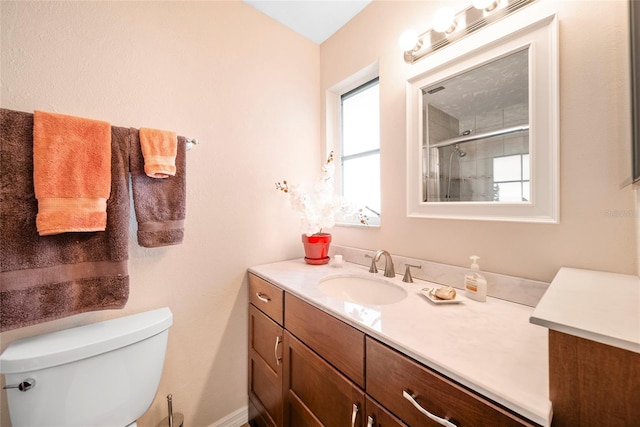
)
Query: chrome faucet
[{"x": 389, "y": 271}]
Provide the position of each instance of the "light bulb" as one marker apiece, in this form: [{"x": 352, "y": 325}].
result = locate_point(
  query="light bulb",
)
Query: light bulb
[
  {"x": 444, "y": 21},
  {"x": 408, "y": 40},
  {"x": 486, "y": 5}
]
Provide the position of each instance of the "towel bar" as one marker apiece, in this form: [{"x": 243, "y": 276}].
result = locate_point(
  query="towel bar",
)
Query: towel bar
[{"x": 190, "y": 143}]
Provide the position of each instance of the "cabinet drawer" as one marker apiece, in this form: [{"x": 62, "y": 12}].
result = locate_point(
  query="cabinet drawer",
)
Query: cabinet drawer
[
  {"x": 390, "y": 374},
  {"x": 267, "y": 297},
  {"x": 338, "y": 343}
]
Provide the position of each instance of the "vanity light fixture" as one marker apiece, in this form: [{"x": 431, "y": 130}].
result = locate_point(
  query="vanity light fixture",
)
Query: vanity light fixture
[{"x": 448, "y": 26}]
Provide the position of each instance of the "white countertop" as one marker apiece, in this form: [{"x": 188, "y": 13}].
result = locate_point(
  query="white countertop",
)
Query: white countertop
[
  {"x": 490, "y": 347},
  {"x": 599, "y": 306}
]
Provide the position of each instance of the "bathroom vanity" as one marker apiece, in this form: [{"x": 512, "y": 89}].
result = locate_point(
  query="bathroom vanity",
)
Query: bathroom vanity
[
  {"x": 319, "y": 360},
  {"x": 594, "y": 347}
]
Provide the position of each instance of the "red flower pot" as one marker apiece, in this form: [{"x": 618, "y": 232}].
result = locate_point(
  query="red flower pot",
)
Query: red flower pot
[{"x": 316, "y": 248}]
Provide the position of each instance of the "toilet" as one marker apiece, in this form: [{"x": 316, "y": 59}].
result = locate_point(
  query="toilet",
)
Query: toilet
[{"x": 102, "y": 374}]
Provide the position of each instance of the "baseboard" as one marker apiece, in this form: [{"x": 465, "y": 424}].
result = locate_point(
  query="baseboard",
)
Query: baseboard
[{"x": 235, "y": 419}]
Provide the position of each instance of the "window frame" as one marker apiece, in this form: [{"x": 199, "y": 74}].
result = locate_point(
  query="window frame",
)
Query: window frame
[{"x": 333, "y": 131}]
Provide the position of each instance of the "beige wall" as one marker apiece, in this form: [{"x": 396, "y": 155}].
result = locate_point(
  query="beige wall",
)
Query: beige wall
[
  {"x": 596, "y": 229},
  {"x": 248, "y": 88}
]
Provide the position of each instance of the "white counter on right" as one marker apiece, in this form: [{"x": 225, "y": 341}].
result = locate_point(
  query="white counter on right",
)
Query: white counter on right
[{"x": 598, "y": 306}]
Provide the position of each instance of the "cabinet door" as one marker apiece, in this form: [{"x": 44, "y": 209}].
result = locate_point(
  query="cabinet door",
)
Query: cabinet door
[
  {"x": 316, "y": 393},
  {"x": 592, "y": 384},
  {"x": 394, "y": 380},
  {"x": 265, "y": 369}
]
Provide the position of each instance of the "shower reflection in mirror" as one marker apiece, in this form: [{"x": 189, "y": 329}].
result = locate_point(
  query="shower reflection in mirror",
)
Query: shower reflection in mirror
[{"x": 476, "y": 146}]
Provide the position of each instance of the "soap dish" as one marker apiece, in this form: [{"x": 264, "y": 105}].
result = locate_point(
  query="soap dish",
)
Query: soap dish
[{"x": 429, "y": 293}]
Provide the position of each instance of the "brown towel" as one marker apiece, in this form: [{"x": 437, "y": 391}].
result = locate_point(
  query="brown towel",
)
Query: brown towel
[
  {"x": 44, "y": 278},
  {"x": 159, "y": 203},
  {"x": 159, "y": 148},
  {"x": 72, "y": 172}
]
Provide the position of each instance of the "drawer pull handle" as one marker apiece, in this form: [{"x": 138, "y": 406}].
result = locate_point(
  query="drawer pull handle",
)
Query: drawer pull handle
[
  {"x": 262, "y": 297},
  {"x": 354, "y": 414},
  {"x": 370, "y": 421},
  {"x": 439, "y": 420},
  {"x": 275, "y": 350}
]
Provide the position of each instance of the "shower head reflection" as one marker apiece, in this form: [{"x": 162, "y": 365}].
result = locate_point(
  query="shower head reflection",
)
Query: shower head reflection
[{"x": 459, "y": 151}]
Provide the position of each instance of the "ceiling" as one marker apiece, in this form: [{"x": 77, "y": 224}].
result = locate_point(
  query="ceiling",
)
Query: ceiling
[
  {"x": 499, "y": 84},
  {"x": 316, "y": 20}
]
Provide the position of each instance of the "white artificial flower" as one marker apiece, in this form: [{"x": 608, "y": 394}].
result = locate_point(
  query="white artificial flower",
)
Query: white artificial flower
[{"x": 319, "y": 212}]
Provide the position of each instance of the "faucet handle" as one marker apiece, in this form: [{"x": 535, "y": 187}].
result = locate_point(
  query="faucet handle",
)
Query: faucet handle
[
  {"x": 407, "y": 273},
  {"x": 373, "y": 268}
]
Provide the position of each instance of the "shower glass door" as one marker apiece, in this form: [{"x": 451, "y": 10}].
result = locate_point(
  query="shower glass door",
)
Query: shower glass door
[{"x": 476, "y": 146}]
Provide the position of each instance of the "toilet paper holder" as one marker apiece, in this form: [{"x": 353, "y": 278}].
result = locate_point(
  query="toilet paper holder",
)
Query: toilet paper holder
[{"x": 173, "y": 420}]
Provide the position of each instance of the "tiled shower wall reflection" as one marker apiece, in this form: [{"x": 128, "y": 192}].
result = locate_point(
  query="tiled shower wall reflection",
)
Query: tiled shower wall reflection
[{"x": 470, "y": 178}]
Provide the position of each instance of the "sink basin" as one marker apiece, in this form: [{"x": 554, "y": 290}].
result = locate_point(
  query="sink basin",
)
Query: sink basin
[{"x": 362, "y": 289}]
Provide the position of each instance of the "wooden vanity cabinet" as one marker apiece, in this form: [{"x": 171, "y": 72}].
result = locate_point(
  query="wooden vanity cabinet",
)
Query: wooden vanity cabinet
[
  {"x": 265, "y": 353},
  {"x": 592, "y": 384},
  {"x": 390, "y": 374},
  {"x": 308, "y": 368},
  {"x": 317, "y": 393}
]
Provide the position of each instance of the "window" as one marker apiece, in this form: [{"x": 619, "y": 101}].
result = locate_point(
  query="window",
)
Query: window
[
  {"x": 511, "y": 178},
  {"x": 360, "y": 148}
]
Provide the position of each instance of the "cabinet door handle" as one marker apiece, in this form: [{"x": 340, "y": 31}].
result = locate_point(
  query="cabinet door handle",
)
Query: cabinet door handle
[
  {"x": 275, "y": 350},
  {"x": 354, "y": 414},
  {"x": 439, "y": 420},
  {"x": 262, "y": 297},
  {"x": 370, "y": 421}
]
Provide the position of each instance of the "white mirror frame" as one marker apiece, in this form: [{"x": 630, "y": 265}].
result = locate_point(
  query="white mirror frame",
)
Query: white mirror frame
[{"x": 537, "y": 29}]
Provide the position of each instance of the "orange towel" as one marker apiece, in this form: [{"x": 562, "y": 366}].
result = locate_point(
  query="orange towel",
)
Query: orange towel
[
  {"x": 71, "y": 173},
  {"x": 159, "y": 149}
]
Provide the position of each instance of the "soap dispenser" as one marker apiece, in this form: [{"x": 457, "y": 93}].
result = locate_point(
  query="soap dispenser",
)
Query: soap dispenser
[{"x": 475, "y": 285}]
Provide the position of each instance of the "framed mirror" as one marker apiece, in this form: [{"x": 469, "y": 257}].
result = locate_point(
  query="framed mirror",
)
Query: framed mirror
[{"x": 483, "y": 126}]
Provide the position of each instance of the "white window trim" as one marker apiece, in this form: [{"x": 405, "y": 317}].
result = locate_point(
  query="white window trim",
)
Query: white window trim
[{"x": 333, "y": 122}]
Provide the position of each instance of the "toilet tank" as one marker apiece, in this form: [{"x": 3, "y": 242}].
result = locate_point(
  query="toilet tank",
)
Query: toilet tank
[{"x": 102, "y": 374}]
